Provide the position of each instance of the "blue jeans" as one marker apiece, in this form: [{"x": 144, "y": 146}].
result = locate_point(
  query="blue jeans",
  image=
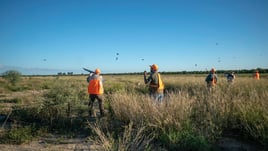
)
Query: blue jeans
[{"x": 158, "y": 97}]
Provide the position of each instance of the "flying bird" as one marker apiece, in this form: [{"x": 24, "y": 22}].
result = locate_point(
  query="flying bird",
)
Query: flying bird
[
  {"x": 117, "y": 54},
  {"x": 219, "y": 59}
]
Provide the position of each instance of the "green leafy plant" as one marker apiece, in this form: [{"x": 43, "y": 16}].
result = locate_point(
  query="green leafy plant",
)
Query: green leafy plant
[
  {"x": 183, "y": 139},
  {"x": 20, "y": 135}
]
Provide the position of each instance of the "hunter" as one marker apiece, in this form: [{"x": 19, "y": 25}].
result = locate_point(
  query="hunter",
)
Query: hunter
[
  {"x": 211, "y": 79},
  {"x": 95, "y": 91},
  {"x": 156, "y": 85}
]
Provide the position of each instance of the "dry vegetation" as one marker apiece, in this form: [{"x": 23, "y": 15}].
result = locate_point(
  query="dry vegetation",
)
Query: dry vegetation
[{"x": 190, "y": 118}]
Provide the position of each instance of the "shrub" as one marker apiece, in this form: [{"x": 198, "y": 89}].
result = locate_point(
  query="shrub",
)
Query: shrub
[
  {"x": 60, "y": 102},
  {"x": 12, "y": 76},
  {"x": 185, "y": 139},
  {"x": 20, "y": 135}
]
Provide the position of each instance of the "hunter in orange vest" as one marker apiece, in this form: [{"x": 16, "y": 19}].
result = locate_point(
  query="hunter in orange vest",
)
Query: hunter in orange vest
[
  {"x": 211, "y": 79},
  {"x": 257, "y": 75},
  {"x": 95, "y": 91},
  {"x": 156, "y": 85}
]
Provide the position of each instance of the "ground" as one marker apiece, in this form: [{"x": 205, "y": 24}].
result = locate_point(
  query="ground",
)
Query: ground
[{"x": 80, "y": 144}]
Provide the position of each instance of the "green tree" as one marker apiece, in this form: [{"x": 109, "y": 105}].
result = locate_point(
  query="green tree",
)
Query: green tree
[{"x": 12, "y": 76}]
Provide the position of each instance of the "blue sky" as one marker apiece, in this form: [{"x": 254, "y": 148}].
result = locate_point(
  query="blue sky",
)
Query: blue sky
[{"x": 51, "y": 36}]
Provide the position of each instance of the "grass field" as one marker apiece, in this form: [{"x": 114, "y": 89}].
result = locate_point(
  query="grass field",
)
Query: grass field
[{"x": 190, "y": 118}]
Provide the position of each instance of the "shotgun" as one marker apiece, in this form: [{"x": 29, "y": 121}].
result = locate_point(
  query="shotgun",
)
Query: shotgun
[{"x": 90, "y": 71}]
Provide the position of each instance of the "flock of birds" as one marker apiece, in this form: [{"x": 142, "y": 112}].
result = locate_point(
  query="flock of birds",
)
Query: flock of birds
[{"x": 117, "y": 55}]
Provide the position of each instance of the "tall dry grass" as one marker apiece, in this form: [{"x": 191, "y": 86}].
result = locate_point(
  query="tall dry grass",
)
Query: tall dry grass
[
  {"x": 237, "y": 110},
  {"x": 132, "y": 138},
  {"x": 190, "y": 118}
]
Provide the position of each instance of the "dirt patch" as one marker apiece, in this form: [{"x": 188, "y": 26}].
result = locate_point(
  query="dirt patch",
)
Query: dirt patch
[
  {"x": 58, "y": 143},
  {"x": 53, "y": 143}
]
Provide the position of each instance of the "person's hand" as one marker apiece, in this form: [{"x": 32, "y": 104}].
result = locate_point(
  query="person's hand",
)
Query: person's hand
[{"x": 144, "y": 73}]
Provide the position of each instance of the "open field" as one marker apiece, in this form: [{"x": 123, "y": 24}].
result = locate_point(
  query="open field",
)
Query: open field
[{"x": 50, "y": 113}]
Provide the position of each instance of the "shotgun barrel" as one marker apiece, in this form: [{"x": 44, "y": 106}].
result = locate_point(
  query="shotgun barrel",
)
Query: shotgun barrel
[{"x": 90, "y": 71}]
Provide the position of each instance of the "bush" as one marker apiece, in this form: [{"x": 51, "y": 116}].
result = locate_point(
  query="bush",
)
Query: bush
[
  {"x": 60, "y": 103},
  {"x": 20, "y": 135},
  {"x": 184, "y": 139},
  {"x": 12, "y": 76}
]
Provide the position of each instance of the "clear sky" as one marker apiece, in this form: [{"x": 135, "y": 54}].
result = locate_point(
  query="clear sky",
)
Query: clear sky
[{"x": 51, "y": 36}]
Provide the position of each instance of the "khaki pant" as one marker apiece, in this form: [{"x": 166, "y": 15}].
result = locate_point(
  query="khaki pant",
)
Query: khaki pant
[{"x": 92, "y": 98}]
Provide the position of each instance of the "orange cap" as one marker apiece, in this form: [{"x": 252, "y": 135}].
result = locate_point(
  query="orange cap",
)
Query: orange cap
[
  {"x": 154, "y": 67},
  {"x": 97, "y": 71}
]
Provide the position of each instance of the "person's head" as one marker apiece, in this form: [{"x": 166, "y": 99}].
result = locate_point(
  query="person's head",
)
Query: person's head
[
  {"x": 212, "y": 70},
  {"x": 97, "y": 71},
  {"x": 154, "y": 67}
]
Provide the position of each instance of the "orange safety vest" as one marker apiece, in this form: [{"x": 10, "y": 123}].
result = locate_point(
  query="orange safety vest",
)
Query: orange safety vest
[
  {"x": 95, "y": 85},
  {"x": 160, "y": 85},
  {"x": 257, "y": 76},
  {"x": 214, "y": 81}
]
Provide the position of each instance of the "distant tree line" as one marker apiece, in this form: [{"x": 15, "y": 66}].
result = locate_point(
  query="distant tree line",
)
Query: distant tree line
[
  {"x": 63, "y": 73},
  {"x": 14, "y": 75},
  {"x": 240, "y": 71}
]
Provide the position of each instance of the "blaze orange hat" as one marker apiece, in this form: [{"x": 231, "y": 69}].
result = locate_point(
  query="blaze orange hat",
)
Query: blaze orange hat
[
  {"x": 97, "y": 71},
  {"x": 154, "y": 67}
]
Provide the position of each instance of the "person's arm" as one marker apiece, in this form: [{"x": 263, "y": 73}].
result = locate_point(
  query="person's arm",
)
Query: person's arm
[
  {"x": 216, "y": 78},
  {"x": 144, "y": 77},
  {"x": 147, "y": 80},
  {"x": 90, "y": 77}
]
